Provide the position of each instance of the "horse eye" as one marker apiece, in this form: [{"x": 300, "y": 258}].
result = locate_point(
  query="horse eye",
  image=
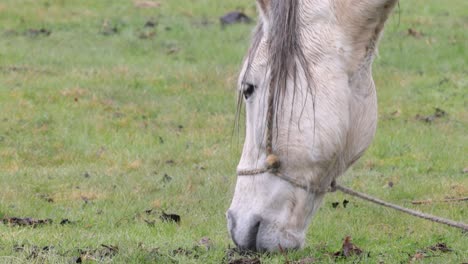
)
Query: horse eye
[{"x": 248, "y": 90}]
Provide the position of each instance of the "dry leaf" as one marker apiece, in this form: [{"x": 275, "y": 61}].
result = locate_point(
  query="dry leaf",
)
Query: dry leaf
[
  {"x": 170, "y": 217},
  {"x": 414, "y": 33},
  {"x": 348, "y": 249}
]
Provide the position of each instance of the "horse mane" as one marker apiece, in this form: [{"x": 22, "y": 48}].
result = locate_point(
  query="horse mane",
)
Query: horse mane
[{"x": 286, "y": 56}]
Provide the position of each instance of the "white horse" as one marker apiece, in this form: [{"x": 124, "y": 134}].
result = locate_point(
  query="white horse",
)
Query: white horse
[{"x": 311, "y": 112}]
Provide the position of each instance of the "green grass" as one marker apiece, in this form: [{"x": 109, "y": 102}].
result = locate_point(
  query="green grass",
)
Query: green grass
[{"x": 118, "y": 107}]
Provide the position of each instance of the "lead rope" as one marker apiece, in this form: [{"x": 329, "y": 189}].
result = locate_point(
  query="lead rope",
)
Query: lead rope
[{"x": 429, "y": 217}]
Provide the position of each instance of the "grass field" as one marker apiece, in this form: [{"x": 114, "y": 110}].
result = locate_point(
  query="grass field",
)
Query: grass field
[{"x": 108, "y": 123}]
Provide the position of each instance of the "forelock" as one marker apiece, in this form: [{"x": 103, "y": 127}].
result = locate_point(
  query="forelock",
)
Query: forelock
[{"x": 284, "y": 46}]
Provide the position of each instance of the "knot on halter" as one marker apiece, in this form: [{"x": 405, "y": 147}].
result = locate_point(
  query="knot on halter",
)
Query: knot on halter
[{"x": 273, "y": 162}]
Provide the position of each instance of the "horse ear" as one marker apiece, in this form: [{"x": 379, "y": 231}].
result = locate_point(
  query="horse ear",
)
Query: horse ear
[{"x": 264, "y": 7}]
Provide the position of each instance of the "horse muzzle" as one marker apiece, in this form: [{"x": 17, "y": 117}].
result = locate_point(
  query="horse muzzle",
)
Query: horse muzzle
[{"x": 257, "y": 234}]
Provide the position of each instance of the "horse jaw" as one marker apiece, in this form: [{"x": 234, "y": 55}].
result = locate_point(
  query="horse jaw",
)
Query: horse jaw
[{"x": 269, "y": 214}]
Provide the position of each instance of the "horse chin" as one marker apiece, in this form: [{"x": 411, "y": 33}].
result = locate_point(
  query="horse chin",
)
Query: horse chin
[
  {"x": 268, "y": 238},
  {"x": 279, "y": 240}
]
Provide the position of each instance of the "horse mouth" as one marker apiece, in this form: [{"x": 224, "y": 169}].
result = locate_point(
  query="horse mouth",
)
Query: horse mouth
[{"x": 262, "y": 237}]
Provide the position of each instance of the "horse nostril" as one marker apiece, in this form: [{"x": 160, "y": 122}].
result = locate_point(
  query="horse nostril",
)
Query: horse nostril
[
  {"x": 243, "y": 235},
  {"x": 231, "y": 221},
  {"x": 251, "y": 238}
]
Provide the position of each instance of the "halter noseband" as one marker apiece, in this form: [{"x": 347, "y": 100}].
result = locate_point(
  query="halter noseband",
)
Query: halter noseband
[{"x": 272, "y": 167}]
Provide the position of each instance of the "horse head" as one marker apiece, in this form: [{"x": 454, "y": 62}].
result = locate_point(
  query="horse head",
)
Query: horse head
[{"x": 311, "y": 112}]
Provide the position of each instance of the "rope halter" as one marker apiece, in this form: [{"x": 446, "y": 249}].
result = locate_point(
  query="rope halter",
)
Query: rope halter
[
  {"x": 273, "y": 162},
  {"x": 273, "y": 166}
]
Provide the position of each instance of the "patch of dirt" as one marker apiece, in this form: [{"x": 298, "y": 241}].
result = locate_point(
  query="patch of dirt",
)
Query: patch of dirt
[
  {"x": 245, "y": 261},
  {"x": 428, "y": 252},
  {"x": 237, "y": 256},
  {"x": 151, "y": 23},
  {"x": 151, "y": 216},
  {"x": 149, "y": 30},
  {"x": 32, "y": 32},
  {"x": 17, "y": 221},
  {"x": 442, "y": 247},
  {"x": 65, "y": 221},
  {"x": 203, "y": 245},
  {"x": 99, "y": 254},
  {"x": 34, "y": 251},
  {"x": 438, "y": 113},
  {"x": 170, "y": 217}
]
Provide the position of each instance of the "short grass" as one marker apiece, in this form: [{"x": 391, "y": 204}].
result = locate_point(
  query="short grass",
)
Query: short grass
[{"x": 94, "y": 115}]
